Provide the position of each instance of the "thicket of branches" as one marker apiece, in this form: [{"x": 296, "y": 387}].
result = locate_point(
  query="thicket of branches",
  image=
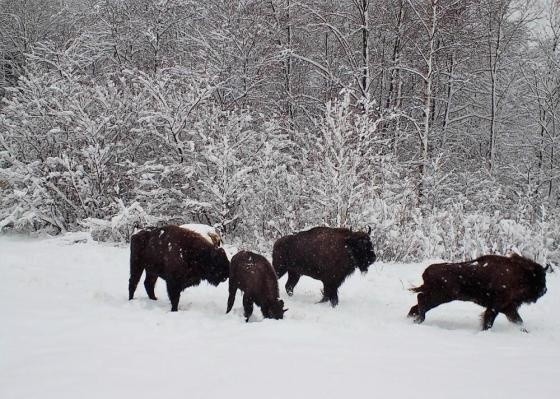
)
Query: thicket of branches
[{"x": 432, "y": 121}]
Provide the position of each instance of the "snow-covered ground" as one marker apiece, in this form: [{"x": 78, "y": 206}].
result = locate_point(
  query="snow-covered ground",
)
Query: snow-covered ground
[{"x": 67, "y": 330}]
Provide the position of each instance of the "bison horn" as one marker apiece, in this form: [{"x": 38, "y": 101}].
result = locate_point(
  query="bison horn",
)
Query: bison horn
[
  {"x": 548, "y": 268},
  {"x": 369, "y": 230},
  {"x": 285, "y": 310}
]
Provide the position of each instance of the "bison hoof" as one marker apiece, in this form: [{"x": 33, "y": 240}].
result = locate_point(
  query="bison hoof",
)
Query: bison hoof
[
  {"x": 290, "y": 292},
  {"x": 524, "y": 330}
]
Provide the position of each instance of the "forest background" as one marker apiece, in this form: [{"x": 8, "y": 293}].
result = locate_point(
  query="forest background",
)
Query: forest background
[{"x": 434, "y": 122}]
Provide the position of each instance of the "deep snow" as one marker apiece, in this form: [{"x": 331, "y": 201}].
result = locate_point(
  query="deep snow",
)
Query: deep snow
[{"x": 67, "y": 330}]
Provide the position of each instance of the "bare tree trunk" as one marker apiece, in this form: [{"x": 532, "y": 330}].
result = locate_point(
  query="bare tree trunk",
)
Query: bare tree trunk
[
  {"x": 552, "y": 158},
  {"x": 395, "y": 84},
  {"x": 365, "y": 54},
  {"x": 428, "y": 96},
  {"x": 289, "y": 106},
  {"x": 287, "y": 62},
  {"x": 449, "y": 100},
  {"x": 494, "y": 60},
  {"x": 395, "y": 71}
]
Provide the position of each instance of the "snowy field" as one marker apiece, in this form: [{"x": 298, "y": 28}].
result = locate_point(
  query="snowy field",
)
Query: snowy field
[{"x": 67, "y": 330}]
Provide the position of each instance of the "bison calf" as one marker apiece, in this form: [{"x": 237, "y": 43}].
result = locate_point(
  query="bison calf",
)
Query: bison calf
[
  {"x": 498, "y": 283},
  {"x": 254, "y": 275},
  {"x": 181, "y": 257},
  {"x": 323, "y": 253}
]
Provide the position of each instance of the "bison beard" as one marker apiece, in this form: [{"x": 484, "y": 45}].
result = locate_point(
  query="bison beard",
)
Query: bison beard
[
  {"x": 323, "y": 253},
  {"x": 181, "y": 257},
  {"x": 498, "y": 283},
  {"x": 254, "y": 275}
]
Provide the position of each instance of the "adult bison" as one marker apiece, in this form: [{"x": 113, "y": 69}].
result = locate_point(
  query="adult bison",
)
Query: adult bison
[
  {"x": 323, "y": 253},
  {"x": 254, "y": 275},
  {"x": 498, "y": 283},
  {"x": 181, "y": 257}
]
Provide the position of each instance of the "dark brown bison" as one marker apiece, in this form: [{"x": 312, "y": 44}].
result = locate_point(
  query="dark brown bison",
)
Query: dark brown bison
[
  {"x": 323, "y": 253},
  {"x": 255, "y": 276},
  {"x": 498, "y": 283},
  {"x": 181, "y": 257}
]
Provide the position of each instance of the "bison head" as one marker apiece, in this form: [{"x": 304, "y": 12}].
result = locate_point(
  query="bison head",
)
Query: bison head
[
  {"x": 361, "y": 248},
  {"x": 217, "y": 265},
  {"x": 537, "y": 282},
  {"x": 276, "y": 310}
]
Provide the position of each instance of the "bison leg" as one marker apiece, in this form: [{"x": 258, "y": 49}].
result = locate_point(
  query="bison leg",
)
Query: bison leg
[
  {"x": 293, "y": 279},
  {"x": 418, "y": 312},
  {"x": 174, "y": 293},
  {"x": 488, "y": 318},
  {"x": 330, "y": 294},
  {"x": 231, "y": 298},
  {"x": 413, "y": 312},
  {"x": 426, "y": 302},
  {"x": 513, "y": 316},
  {"x": 265, "y": 312},
  {"x": 150, "y": 284},
  {"x": 247, "y": 306},
  {"x": 279, "y": 267}
]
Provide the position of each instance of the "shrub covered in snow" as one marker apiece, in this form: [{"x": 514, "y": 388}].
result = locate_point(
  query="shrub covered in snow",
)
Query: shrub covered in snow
[
  {"x": 121, "y": 226},
  {"x": 133, "y": 148}
]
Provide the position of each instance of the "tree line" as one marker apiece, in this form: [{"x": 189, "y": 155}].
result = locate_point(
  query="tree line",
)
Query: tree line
[{"x": 432, "y": 121}]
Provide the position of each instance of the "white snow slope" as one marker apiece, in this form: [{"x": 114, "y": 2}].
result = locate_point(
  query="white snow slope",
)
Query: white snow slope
[{"x": 67, "y": 330}]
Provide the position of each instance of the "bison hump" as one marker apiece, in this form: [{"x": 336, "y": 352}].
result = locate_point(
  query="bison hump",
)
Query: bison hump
[{"x": 209, "y": 233}]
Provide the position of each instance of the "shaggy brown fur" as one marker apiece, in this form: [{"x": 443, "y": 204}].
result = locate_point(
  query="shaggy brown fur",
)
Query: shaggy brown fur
[
  {"x": 498, "y": 283},
  {"x": 255, "y": 276},
  {"x": 181, "y": 257},
  {"x": 323, "y": 253}
]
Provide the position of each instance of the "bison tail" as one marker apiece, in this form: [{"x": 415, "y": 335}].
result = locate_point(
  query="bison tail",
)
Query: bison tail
[
  {"x": 417, "y": 289},
  {"x": 231, "y": 300},
  {"x": 137, "y": 244}
]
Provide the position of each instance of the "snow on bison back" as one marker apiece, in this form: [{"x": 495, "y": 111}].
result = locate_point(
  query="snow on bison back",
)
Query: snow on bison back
[
  {"x": 181, "y": 257},
  {"x": 205, "y": 231}
]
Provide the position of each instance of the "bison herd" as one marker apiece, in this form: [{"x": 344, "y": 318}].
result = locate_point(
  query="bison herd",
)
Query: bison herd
[{"x": 183, "y": 256}]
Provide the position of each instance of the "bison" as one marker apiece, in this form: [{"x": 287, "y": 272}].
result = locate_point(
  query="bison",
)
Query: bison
[
  {"x": 323, "y": 253},
  {"x": 255, "y": 276},
  {"x": 181, "y": 257},
  {"x": 498, "y": 283}
]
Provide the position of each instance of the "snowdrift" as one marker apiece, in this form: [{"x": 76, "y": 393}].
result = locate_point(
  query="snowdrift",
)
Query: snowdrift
[{"x": 69, "y": 331}]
